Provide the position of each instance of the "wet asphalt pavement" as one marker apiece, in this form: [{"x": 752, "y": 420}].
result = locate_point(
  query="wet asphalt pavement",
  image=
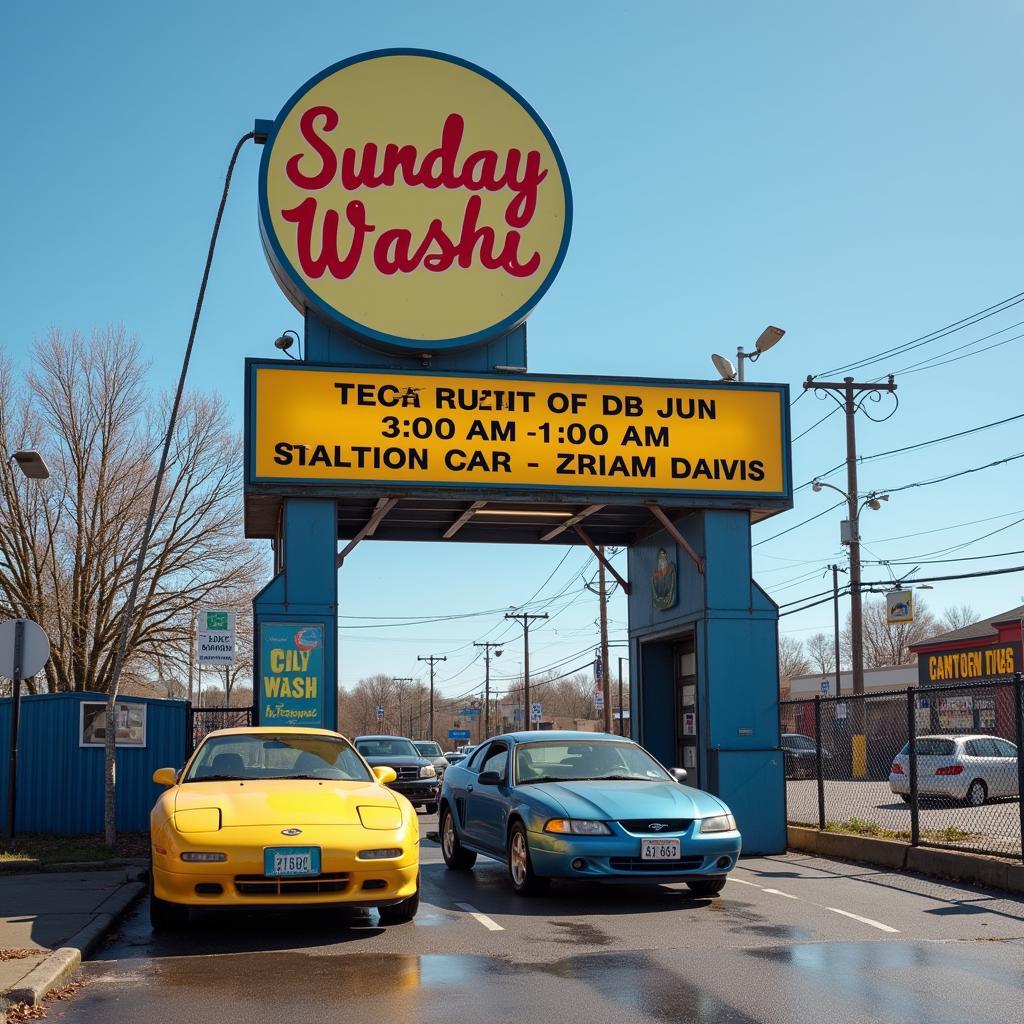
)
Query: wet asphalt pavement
[{"x": 791, "y": 939}]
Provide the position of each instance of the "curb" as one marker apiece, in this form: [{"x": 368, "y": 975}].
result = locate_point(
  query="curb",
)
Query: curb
[
  {"x": 56, "y": 968},
  {"x": 35, "y": 867},
  {"x": 962, "y": 867}
]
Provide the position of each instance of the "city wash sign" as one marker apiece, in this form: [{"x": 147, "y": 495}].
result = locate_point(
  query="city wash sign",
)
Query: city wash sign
[
  {"x": 291, "y": 690},
  {"x": 415, "y": 199}
]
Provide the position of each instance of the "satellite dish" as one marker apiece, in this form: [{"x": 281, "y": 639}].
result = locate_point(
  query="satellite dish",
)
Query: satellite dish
[
  {"x": 769, "y": 336},
  {"x": 724, "y": 367}
]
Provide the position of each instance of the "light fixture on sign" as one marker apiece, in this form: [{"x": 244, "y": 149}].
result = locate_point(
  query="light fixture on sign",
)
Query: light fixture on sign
[
  {"x": 520, "y": 512},
  {"x": 32, "y": 464},
  {"x": 724, "y": 366},
  {"x": 284, "y": 343},
  {"x": 767, "y": 339}
]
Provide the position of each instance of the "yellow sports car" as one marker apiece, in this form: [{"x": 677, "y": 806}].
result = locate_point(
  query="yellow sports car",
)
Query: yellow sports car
[{"x": 269, "y": 816}]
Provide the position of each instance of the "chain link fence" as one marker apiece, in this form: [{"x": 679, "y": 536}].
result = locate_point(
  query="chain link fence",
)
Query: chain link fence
[
  {"x": 931, "y": 767},
  {"x": 204, "y": 720}
]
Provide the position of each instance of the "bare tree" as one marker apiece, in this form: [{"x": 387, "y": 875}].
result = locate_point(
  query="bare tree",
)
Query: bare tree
[
  {"x": 886, "y": 644},
  {"x": 821, "y": 653},
  {"x": 792, "y": 660},
  {"x": 958, "y": 616},
  {"x": 68, "y": 546}
]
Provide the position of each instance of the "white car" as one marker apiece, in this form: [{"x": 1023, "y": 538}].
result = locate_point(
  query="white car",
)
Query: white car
[{"x": 972, "y": 769}]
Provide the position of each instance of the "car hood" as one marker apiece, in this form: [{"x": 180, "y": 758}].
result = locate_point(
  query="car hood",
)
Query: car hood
[
  {"x": 284, "y": 801},
  {"x": 617, "y": 800}
]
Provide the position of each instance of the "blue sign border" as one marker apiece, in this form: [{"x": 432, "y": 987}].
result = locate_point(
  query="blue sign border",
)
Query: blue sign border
[
  {"x": 300, "y": 293},
  {"x": 621, "y": 496}
]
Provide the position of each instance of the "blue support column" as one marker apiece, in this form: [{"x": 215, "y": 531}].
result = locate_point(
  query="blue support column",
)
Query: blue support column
[
  {"x": 303, "y": 594},
  {"x": 735, "y": 626}
]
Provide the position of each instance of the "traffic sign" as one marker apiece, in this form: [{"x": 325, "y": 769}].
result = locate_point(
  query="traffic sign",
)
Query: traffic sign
[
  {"x": 458, "y": 734},
  {"x": 35, "y": 648},
  {"x": 825, "y": 686},
  {"x": 380, "y": 712},
  {"x": 535, "y": 712},
  {"x": 469, "y": 711},
  {"x": 599, "y": 700}
]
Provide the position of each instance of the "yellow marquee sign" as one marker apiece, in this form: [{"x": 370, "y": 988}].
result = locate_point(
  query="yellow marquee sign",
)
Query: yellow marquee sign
[
  {"x": 326, "y": 426},
  {"x": 414, "y": 198}
]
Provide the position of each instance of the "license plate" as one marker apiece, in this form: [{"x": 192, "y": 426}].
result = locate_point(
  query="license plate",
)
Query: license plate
[
  {"x": 291, "y": 861},
  {"x": 659, "y": 849}
]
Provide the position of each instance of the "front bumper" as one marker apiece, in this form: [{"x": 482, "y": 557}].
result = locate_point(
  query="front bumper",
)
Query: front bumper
[
  {"x": 239, "y": 881},
  {"x": 616, "y": 858},
  {"x": 424, "y": 791}
]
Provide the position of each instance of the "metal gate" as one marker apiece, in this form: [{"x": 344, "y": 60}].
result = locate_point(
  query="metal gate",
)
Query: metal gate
[{"x": 205, "y": 720}]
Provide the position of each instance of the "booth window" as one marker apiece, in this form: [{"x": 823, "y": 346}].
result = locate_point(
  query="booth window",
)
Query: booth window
[{"x": 131, "y": 724}]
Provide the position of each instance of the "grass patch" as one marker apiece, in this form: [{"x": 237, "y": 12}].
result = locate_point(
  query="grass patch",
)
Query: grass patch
[
  {"x": 35, "y": 848},
  {"x": 864, "y": 827}
]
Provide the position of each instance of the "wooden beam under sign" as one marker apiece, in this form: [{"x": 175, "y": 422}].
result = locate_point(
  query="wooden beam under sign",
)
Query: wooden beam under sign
[
  {"x": 463, "y": 519},
  {"x": 625, "y": 584},
  {"x": 671, "y": 527},
  {"x": 383, "y": 507},
  {"x": 571, "y": 522}
]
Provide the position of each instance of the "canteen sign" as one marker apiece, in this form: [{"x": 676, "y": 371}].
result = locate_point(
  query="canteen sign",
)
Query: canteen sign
[
  {"x": 291, "y": 674},
  {"x": 325, "y": 426},
  {"x": 415, "y": 199}
]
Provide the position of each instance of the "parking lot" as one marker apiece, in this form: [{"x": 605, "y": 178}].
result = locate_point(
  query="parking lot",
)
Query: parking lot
[
  {"x": 791, "y": 938},
  {"x": 992, "y": 828}
]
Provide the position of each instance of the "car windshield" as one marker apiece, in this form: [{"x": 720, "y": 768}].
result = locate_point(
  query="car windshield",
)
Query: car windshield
[
  {"x": 386, "y": 746},
  {"x": 797, "y": 742},
  {"x": 578, "y": 760},
  {"x": 285, "y": 756},
  {"x": 429, "y": 749}
]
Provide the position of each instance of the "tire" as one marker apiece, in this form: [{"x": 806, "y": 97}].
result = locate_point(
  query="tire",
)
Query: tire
[
  {"x": 430, "y": 808},
  {"x": 905, "y": 798},
  {"x": 706, "y": 887},
  {"x": 164, "y": 916},
  {"x": 456, "y": 856},
  {"x": 404, "y": 912},
  {"x": 977, "y": 794},
  {"x": 520, "y": 867}
]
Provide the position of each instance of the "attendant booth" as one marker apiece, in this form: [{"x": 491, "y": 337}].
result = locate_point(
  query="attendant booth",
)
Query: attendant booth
[{"x": 415, "y": 209}]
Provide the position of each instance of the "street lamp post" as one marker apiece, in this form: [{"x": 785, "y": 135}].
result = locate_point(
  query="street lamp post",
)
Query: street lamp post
[{"x": 487, "y": 645}]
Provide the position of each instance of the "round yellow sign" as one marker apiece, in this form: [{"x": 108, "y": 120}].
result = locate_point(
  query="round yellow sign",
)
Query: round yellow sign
[{"x": 414, "y": 198}]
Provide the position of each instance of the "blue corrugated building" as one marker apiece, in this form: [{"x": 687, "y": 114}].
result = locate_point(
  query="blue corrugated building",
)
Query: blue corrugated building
[{"x": 60, "y": 759}]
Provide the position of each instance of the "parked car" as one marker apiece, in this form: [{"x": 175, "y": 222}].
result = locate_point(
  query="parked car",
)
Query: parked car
[
  {"x": 267, "y": 816},
  {"x": 432, "y": 752},
  {"x": 586, "y": 806},
  {"x": 416, "y": 777},
  {"x": 799, "y": 753},
  {"x": 972, "y": 769},
  {"x": 453, "y": 756}
]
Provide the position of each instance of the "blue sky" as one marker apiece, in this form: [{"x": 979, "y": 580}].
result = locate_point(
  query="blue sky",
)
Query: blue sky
[{"x": 849, "y": 172}]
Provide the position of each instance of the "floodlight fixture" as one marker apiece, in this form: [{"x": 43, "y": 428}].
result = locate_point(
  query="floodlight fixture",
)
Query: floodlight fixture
[
  {"x": 724, "y": 366},
  {"x": 32, "y": 464},
  {"x": 284, "y": 343}
]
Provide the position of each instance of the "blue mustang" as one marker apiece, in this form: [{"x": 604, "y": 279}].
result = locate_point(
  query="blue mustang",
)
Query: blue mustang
[{"x": 587, "y": 806}]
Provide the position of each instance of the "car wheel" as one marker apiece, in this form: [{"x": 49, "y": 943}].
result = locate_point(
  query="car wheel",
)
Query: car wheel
[
  {"x": 977, "y": 794},
  {"x": 706, "y": 887},
  {"x": 456, "y": 857},
  {"x": 164, "y": 916},
  {"x": 430, "y": 808},
  {"x": 520, "y": 867},
  {"x": 404, "y": 912},
  {"x": 904, "y": 797}
]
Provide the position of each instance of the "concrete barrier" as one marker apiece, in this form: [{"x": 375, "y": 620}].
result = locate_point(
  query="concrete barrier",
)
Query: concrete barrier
[
  {"x": 803, "y": 839},
  {"x": 884, "y": 852},
  {"x": 964, "y": 867}
]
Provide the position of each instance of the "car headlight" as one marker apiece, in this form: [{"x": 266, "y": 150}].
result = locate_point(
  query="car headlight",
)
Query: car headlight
[
  {"x": 577, "y": 827},
  {"x": 719, "y": 823},
  {"x": 427, "y": 772}
]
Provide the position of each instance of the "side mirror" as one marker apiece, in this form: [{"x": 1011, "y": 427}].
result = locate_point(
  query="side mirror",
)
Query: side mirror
[
  {"x": 165, "y": 777},
  {"x": 383, "y": 774},
  {"x": 489, "y": 779},
  {"x": 679, "y": 774}
]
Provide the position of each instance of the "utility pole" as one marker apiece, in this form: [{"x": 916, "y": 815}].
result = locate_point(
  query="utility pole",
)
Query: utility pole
[
  {"x": 432, "y": 659},
  {"x": 602, "y": 596},
  {"x": 524, "y": 619},
  {"x": 398, "y": 680},
  {"x": 191, "y": 653},
  {"x": 487, "y": 645},
  {"x": 835, "y": 611},
  {"x": 622, "y": 726},
  {"x": 853, "y": 394}
]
